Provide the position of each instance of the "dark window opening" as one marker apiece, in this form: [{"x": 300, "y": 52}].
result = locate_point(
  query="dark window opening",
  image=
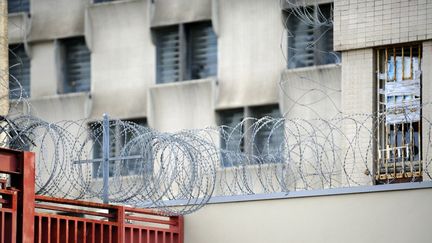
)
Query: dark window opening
[
  {"x": 185, "y": 52},
  {"x": 310, "y": 36},
  {"x": 120, "y": 137},
  {"x": 232, "y": 140},
  {"x": 19, "y": 72},
  {"x": 17, "y": 6},
  {"x": 76, "y": 65}
]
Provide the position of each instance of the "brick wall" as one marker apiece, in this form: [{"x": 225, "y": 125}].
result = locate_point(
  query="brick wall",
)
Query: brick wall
[
  {"x": 367, "y": 23},
  {"x": 357, "y": 100}
]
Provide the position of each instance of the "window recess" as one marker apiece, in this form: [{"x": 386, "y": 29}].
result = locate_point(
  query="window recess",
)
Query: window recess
[
  {"x": 186, "y": 52},
  {"x": 19, "y": 72},
  {"x": 17, "y": 6},
  {"x": 249, "y": 141},
  {"x": 399, "y": 115},
  {"x": 102, "y": 1},
  {"x": 120, "y": 136},
  {"x": 310, "y": 36},
  {"x": 76, "y": 67}
]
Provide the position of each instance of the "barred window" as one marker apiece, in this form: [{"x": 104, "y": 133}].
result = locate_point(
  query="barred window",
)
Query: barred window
[
  {"x": 19, "y": 72},
  {"x": 250, "y": 140},
  {"x": 185, "y": 52},
  {"x": 399, "y": 114},
  {"x": 16, "y": 6},
  {"x": 269, "y": 136},
  {"x": 76, "y": 65},
  {"x": 232, "y": 140},
  {"x": 310, "y": 36},
  {"x": 119, "y": 137}
]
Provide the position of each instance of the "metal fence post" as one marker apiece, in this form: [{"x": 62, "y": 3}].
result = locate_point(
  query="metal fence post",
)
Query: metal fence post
[{"x": 105, "y": 158}]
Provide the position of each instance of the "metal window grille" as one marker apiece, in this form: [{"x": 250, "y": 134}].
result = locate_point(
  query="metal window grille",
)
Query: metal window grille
[
  {"x": 269, "y": 137},
  {"x": 186, "y": 51},
  {"x": 19, "y": 72},
  {"x": 168, "y": 55},
  {"x": 118, "y": 140},
  {"x": 16, "y": 6},
  {"x": 310, "y": 41},
  {"x": 77, "y": 69},
  {"x": 399, "y": 114},
  {"x": 202, "y": 51},
  {"x": 232, "y": 141},
  {"x": 239, "y": 142},
  {"x": 102, "y": 1}
]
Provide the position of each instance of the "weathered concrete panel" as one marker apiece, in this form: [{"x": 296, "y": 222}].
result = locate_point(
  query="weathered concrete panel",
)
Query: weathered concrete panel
[
  {"x": 18, "y": 27},
  {"x": 74, "y": 106},
  {"x": 52, "y": 19},
  {"x": 184, "y": 105},
  {"x": 123, "y": 58},
  {"x": 169, "y": 12},
  {"x": 310, "y": 93},
  {"x": 43, "y": 69},
  {"x": 250, "y": 58}
]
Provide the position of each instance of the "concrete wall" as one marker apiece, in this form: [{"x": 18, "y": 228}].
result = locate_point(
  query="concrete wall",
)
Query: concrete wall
[
  {"x": 51, "y": 19},
  {"x": 250, "y": 58},
  {"x": 168, "y": 12},
  {"x": 185, "y": 105},
  {"x": 43, "y": 69},
  {"x": 18, "y": 26},
  {"x": 312, "y": 92},
  {"x": 367, "y": 217},
  {"x": 123, "y": 58},
  {"x": 360, "y": 24}
]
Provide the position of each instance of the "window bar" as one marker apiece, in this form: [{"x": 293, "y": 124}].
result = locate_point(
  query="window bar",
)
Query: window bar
[
  {"x": 411, "y": 141},
  {"x": 403, "y": 143},
  {"x": 183, "y": 54},
  {"x": 411, "y": 64},
  {"x": 395, "y": 126},
  {"x": 378, "y": 82},
  {"x": 385, "y": 121},
  {"x": 420, "y": 164}
]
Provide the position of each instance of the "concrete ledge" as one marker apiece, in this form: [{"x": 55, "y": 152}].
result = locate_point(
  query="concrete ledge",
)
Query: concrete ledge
[{"x": 311, "y": 193}]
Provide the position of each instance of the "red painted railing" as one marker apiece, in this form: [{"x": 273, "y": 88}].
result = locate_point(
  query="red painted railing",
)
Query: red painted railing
[
  {"x": 26, "y": 218},
  {"x": 65, "y": 221},
  {"x": 8, "y": 215},
  {"x": 144, "y": 226}
]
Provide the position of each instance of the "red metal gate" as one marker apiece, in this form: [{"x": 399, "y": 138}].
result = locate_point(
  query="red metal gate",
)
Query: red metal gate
[{"x": 26, "y": 218}]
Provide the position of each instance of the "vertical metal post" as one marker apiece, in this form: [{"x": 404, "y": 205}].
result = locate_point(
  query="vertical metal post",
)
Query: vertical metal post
[{"x": 105, "y": 157}]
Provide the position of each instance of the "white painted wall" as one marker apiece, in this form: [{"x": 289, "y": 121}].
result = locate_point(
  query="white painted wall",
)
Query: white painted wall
[{"x": 397, "y": 216}]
